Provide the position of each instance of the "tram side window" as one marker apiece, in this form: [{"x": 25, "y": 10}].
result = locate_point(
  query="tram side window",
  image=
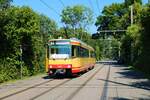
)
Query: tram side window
[
  {"x": 78, "y": 51},
  {"x": 53, "y": 51},
  {"x": 93, "y": 54},
  {"x": 86, "y": 53},
  {"x": 74, "y": 50},
  {"x": 83, "y": 52}
]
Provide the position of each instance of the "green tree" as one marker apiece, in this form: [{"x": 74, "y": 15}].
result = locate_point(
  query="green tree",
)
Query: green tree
[
  {"x": 117, "y": 16},
  {"x": 144, "y": 58},
  {"x": 5, "y": 4},
  {"x": 130, "y": 2},
  {"x": 20, "y": 27},
  {"x": 110, "y": 17},
  {"x": 48, "y": 28},
  {"x": 131, "y": 42},
  {"x": 114, "y": 17},
  {"x": 76, "y": 17}
]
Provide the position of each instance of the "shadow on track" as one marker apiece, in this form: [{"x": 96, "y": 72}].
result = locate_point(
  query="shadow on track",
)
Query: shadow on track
[
  {"x": 141, "y": 82},
  {"x": 65, "y": 76},
  {"x": 59, "y": 77}
]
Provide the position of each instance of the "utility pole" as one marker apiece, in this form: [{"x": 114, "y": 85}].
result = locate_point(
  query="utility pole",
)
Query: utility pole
[
  {"x": 132, "y": 56},
  {"x": 21, "y": 61},
  {"x": 131, "y": 14}
]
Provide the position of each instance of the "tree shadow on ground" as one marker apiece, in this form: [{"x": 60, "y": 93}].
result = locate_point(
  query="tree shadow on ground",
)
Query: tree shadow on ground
[
  {"x": 122, "y": 98},
  {"x": 139, "y": 81},
  {"x": 135, "y": 85},
  {"x": 142, "y": 81},
  {"x": 131, "y": 74},
  {"x": 119, "y": 98}
]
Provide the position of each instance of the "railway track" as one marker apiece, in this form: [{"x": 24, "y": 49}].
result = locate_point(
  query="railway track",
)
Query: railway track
[
  {"x": 26, "y": 89},
  {"x": 50, "y": 89},
  {"x": 98, "y": 84},
  {"x": 105, "y": 88},
  {"x": 73, "y": 94}
]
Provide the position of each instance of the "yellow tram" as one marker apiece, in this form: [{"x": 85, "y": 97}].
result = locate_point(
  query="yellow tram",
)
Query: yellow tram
[{"x": 69, "y": 56}]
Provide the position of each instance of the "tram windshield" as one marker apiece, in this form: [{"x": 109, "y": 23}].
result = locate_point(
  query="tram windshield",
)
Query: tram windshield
[{"x": 60, "y": 51}]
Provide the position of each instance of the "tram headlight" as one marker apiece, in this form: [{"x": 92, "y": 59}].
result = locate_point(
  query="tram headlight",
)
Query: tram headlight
[
  {"x": 50, "y": 66},
  {"x": 69, "y": 66}
]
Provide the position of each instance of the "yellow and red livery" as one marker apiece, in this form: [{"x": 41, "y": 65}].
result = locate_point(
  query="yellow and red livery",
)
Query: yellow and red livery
[{"x": 69, "y": 56}]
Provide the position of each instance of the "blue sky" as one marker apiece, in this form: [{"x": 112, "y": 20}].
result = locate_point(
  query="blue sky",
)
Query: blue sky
[{"x": 58, "y": 5}]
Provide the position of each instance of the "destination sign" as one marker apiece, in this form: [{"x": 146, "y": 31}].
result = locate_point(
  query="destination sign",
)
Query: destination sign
[{"x": 59, "y": 42}]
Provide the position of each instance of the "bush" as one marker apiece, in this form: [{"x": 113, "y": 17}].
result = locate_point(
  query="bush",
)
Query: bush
[
  {"x": 8, "y": 69},
  {"x": 20, "y": 27},
  {"x": 143, "y": 62}
]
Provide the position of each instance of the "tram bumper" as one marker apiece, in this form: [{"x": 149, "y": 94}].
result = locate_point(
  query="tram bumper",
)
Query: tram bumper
[{"x": 59, "y": 69}]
